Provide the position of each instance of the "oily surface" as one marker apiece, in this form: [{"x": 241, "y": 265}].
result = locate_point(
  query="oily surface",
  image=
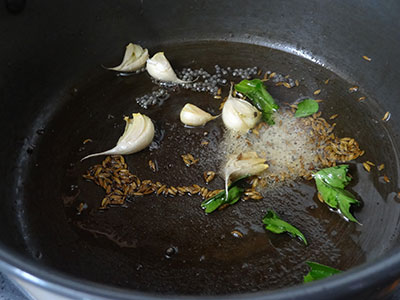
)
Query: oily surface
[{"x": 130, "y": 245}]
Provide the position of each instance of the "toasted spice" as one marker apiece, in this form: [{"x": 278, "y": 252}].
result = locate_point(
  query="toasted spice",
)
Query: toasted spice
[
  {"x": 334, "y": 149},
  {"x": 320, "y": 198},
  {"x": 353, "y": 89},
  {"x": 386, "y": 117},
  {"x": 237, "y": 234},
  {"x": 362, "y": 98},
  {"x": 188, "y": 159},
  {"x": 366, "y": 58},
  {"x": 317, "y": 92},
  {"x": 333, "y": 116},
  {"x": 208, "y": 176},
  {"x": 152, "y": 165},
  {"x": 367, "y": 167},
  {"x": 221, "y": 106},
  {"x": 87, "y": 141},
  {"x": 287, "y": 85},
  {"x": 386, "y": 178},
  {"x": 80, "y": 208},
  {"x": 381, "y": 167},
  {"x": 223, "y": 206}
]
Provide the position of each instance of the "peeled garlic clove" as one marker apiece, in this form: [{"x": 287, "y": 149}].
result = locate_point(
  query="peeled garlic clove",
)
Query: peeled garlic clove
[
  {"x": 193, "y": 116},
  {"x": 239, "y": 115},
  {"x": 248, "y": 163},
  {"x": 134, "y": 59},
  {"x": 138, "y": 134},
  {"x": 159, "y": 68}
]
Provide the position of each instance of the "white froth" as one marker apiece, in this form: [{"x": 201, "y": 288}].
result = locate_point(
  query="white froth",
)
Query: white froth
[{"x": 286, "y": 146}]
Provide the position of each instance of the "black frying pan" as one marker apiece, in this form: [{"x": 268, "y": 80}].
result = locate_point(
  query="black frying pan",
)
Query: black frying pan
[{"x": 56, "y": 95}]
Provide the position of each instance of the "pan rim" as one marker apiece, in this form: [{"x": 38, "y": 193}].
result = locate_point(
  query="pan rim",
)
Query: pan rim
[{"x": 344, "y": 284}]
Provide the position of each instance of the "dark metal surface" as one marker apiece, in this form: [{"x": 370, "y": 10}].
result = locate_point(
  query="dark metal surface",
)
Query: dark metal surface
[{"x": 51, "y": 79}]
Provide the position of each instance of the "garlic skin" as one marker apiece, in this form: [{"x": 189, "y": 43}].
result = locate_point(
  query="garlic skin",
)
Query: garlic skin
[
  {"x": 135, "y": 58},
  {"x": 138, "y": 134},
  {"x": 160, "y": 69},
  {"x": 239, "y": 115},
  {"x": 192, "y": 115},
  {"x": 248, "y": 163}
]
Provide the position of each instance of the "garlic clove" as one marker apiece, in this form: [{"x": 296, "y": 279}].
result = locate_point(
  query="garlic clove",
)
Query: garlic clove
[
  {"x": 134, "y": 59},
  {"x": 248, "y": 163},
  {"x": 239, "y": 115},
  {"x": 138, "y": 134},
  {"x": 192, "y": 115},
  {"x": 160, "y": 69}
]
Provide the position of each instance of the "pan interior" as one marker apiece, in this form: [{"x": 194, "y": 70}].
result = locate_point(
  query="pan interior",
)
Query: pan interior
[{"x": 168, "y": 244}]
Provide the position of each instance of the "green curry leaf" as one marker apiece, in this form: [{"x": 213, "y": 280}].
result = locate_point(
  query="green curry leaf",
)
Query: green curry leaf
[
  {"x": 306, "y": 108},
  {"x": 276, "y": 225},
  {"x": 234, "y": 194},
  {"x": 330, "y": 184},
  {"x": 255, "y": 90},
  {"x": 319, "y": 271}
]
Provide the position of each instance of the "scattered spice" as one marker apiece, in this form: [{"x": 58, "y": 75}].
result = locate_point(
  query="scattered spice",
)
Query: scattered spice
[
  {"x": 320, "y": 197},
  {"x": 87, "y": 141},
  {"x": 381, "y": 167},
  {"x": 367, "y": 167},
  {"x": 237, "y": 234},
  {"x": 80, "y": 208},
  {"x": 353, "y": 89},
  {"x": 387, "y": 180},
  {"x": 152, "y": 165},
  {"x": 326, "y": 81},
  {"x": 119, "y": 183},
  {"x": 252, "y": 194},
  {"x": 366, "y": 58},
  {"x": 334, "y": 149},
  {"x": 221, "y": 106},
  {"x": 362, "y": 98},
  {"x": 255, "y": 132},
  {"x": 317, "y": 92},
  {"x": 370, "y": 163},
  {"x": 189, "y": 160},
  {"x": 333, "y": 116},
  {"x": 386, "y": 117},
  {"x": 254, "y": 183},
  {"x": 208, "y": 176}
]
